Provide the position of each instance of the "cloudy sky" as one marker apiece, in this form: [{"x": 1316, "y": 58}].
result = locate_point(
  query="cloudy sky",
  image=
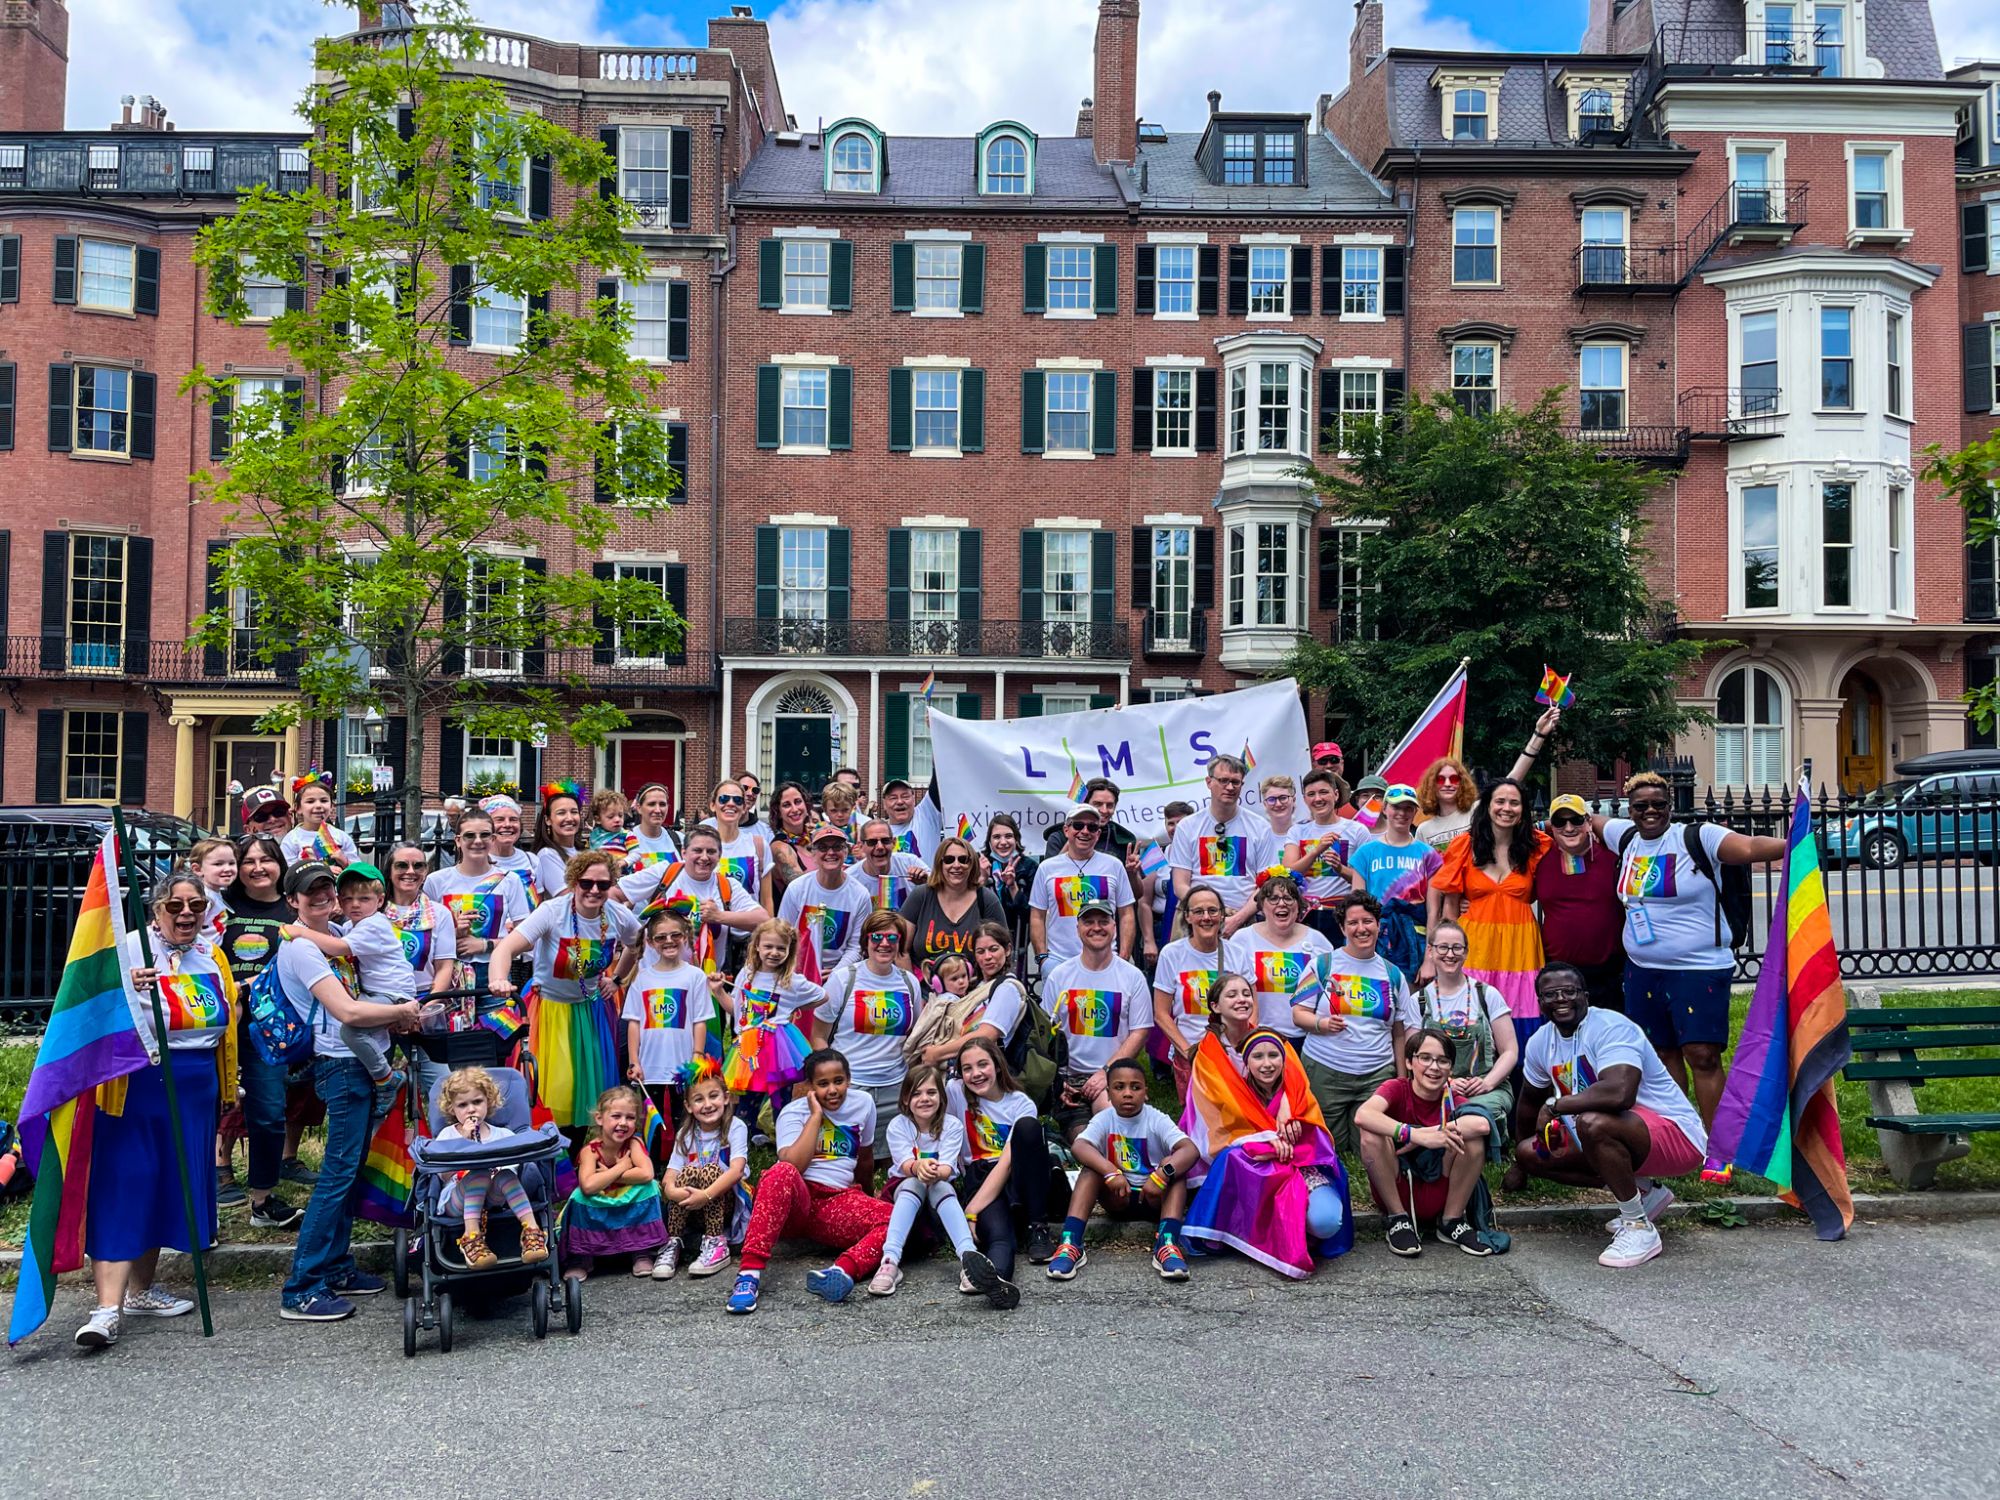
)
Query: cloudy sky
[{"x": 914, "y": 66}]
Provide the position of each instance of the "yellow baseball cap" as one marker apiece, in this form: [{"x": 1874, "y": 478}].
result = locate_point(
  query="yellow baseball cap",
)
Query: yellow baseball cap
[{"x": 1569, "y": 802}]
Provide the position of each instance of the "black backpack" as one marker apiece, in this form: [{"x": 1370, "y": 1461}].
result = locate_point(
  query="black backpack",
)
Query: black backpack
[{"x": 1731, "y": 882}]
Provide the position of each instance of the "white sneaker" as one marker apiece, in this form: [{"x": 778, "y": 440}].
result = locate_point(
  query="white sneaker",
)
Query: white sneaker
[
  {"x": 965, "y": 1286},
  {"x": 714, "y": 1256},
  {"x": 668, "y": 1263},
  {"x": 101, "y": 1332},
  {"x": 886, "y": 1280},
  {"x": 154, "y": 1303},
  {"x": 1653, "y": 1201},
  {"x": 1637, "y": 1242}
]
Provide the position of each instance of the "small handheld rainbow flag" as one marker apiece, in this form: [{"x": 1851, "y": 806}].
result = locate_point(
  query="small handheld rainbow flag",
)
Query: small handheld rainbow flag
[
  {"x": 929, "y": 687},
  {"x": 1076, "y": 783},
  {"x": 323, "y": 844},
  {"x": 1249, "y": 759},
  {"x": 1555, "y": 690},
  {"x": 965, "y": 827}
]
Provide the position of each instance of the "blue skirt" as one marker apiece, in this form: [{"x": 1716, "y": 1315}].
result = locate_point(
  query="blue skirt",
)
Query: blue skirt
[{"x": 135, "y": 1180}]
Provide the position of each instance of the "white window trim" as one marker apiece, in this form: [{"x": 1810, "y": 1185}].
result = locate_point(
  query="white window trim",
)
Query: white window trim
[
  {"x": 984, "y": 142},
  {"x": 1289, "y": 243},
  {"x": 131, "y": 248},
  {"x": 1176, "y": 237},
  {"x": 668, "y": 275},
  {"x": 1738, "y": 311},
  {"x": 1576, "y": 85},
  {"x": 619, "y": 653},
  {"x": 874, "y": 163},
  {"x": 118, "y": 758},
  {"x": 519, "y": 213},
  {"x": 1069, "y": 237},
  {"x": 76, "y": 449},
  {"x": 1451, "y": 367},
  {"x": 938, "y": 362},
  {"x": 1071, "y": 314},
  {"x": 1896, "y": 231},
  {"x": 1270, "y": 239},
  {"x": 1447, "y": 81},
  {"x": 1738, "y": 484},
  {"x": 1857, "y": 505},
  {"x": 480, "y": 296},
  {"x": 1856, "y": 397},
  {"x": 1173, "y": 362},
  {"x": 1499, "y": 244},
  {"x": 1067, "y": 523},
  {"x": 1624, "y": 386},
  {"x": 1381, "y": 278},
  {"x": 803, "y": 362},
  {"x": 935, "y": 523},
  {"x": 1775, "y": 149},
  {"x": 1359, "y": 367},
  {"x": 945, "y": 236},
  {"x": 1071, "y": 367},
  {"x": 1903, "y": 312},
  {"x": 1173, "y": 240}
]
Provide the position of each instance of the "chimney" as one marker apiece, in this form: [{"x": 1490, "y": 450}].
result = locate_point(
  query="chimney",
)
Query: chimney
[
  {"x": 34, "y": 64},
  {"x": 1114, "y": 126},
  {"x": 1364, "y": 43},
  {"x": 1086, "y": 121},
  {"x": 1215, "y": 101}
]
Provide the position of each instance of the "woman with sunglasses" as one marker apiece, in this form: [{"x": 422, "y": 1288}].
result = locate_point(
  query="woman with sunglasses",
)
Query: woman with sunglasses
[
  {"x": 485, "y": 903},
  {"x": 252, "y": 927},
  {"x": 1576, "y": 887},
  {"x": 430, "y": 942},
  {"x": 1487, "y": 885},
  {"x": 746, "y": 858},
  {"x": 791, "y": 826},
  {"x": 946, "y": 912},
  {"x": 869, "y": 1011},
  {"x": 506, "y": 851},
  {"x": 577, "y": 938},
  {"x": 1185, "y": 978},
  {"x": 1447, "y": 792}
]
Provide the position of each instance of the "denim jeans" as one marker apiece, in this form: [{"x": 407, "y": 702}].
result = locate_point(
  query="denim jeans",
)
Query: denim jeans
[
  {"x": 263, "y": 1117},
  {"x": 322, "y": 1261}
]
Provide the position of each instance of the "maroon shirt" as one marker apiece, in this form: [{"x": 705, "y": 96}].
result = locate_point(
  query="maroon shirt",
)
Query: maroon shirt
[{"x": 1583, "y": 921}]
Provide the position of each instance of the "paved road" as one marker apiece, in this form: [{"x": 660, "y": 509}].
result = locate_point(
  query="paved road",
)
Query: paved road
[{"x": 1752, "y": 1363}]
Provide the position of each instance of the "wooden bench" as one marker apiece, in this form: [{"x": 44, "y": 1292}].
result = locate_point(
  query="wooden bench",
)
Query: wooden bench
[{"x": 1889, "y": 1056}]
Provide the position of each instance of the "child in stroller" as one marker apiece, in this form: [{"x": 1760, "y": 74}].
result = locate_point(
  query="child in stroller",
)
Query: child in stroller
[{"x": 470, "y": 1098}]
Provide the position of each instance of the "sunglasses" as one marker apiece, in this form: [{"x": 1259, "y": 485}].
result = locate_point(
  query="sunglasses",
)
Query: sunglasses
[
  {"x": 667, "y": 939},
  {"x": 1649, "y": 805},
  {"x": 830, "y": 846},
  {"x": 1566, "y": 820},
  {"x": 879, "y": 843},
  {"x": 472, "y": 837},
  {"x": 884, "y": 937},
  {"x": 954, "y": 859},
  {"x": 728, "y": 801},
  {"x": 406, "y": 865},
  {"x": 593, "y": 885},
  {"x": 183, "y": 907},
  {"x": 1448, "y": 778},
  {"x": 1086, "y": 827}
]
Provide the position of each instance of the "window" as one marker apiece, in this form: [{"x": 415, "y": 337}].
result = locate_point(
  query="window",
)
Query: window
[
  {"x": 96, "y": 617},
  {"x": 492, "y": 603},
  {"x": 646, "y": 303},
  {"x": 808, "y": 273},
  {"x": 920, "y": 733},
  {"x": 506, "y": 189},
  {"x": 103, "y": 410},
  {"x": 264, "y": 293},
  {"x": 256, "y": 406},
  {"x": 1468, "y": 114},
  {"x": 1836, "y": 545},
  {"x": 1174, "y": 283},
  {"x": 802, "y": 573},
  {"x": 1270, "y": 278},
  {"x": 1360, "y": 400},
  {"x": 936, "y": 410},
  {"x": 1757, "y": 373},
  {"x": 1173, "y": 585},
  {"x": 638, "y": 640},
  {"x": 1836, "y": 357},
  {"x": 933, "y": 577},
  {"x": 492, "y": 454},
  {"x": 1893, "y": 358},
  {"x": 360, "y": 748},
  {"x": 369, "y": 465},
  {"x": 92, "y": 749},
  {"x": 1782, "y": 48},
  {"x": 1274, "y": 572},
  {"x": 373, "y": 176},
  {"x": 1604, "y": 246},
  {"x": 853, "y": 163},
  {"x": 650, "y": 475},
  {"x": 1475, "y": 246},
  {"x": 1828, "y": 43},
  {"x": 1167, "y": 695},
  {"x": 1899, "y": 549},
  {"x": 1064, "y": 703},
  {"x": 1755, "y": 200},
  {"x": 1173, "y": 411},
  {"x": 1066, "y": 581},
  {"x": 1750, "y": 730},
  {"x": 108, "y": 277},
  {"x": 1760, "y": 547},
  {"x": 1871, "y": 189},
  {"x": 1594, "y": 111},
  {"x": 1354, "y": 617},
  {"x": 937, "y": 277},
  {"x": 1239, "y": 157},
  {"x": 1280, "y": 158},
  {"x": 645, "y": 165},
  {"x": 1267, "y": 156},
  {"x": 1006, "y": 166},
  {"x": 1274, "y": 408},
  {"x": 1069, "y": 280},
  {"x": 499, "y": 319},
  {"x": 1601, "y": 384},
  {"x": 1360, "y": 281},
  {"x": 491, "y": 762},
  {"x": 1068, "y": 429},
  {"x": 803, "y": 394},
  {"x": 1473, "y": 384}
]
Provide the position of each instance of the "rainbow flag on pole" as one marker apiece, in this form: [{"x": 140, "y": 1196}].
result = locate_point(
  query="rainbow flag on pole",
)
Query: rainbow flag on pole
[
  {"x": 99, "y": 1031},
  {"x": 1777, "y": 1117},
  {"x": 1555, "y": 689},
  {"x": 388, "y": 1174}
]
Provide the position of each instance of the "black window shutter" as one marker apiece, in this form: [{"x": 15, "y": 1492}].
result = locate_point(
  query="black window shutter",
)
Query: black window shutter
[
  {"x": 63, "y": 288},
  {"x": 536, "y": 330},
  {"x": 329, "y": 742},
  {"x": 1206, "y": 383},
  {"x": 1104, "y": 411},
  {"x": 680, "y": 178},
  {"x": 6, "y": 408},
  {"x": 839, "y": 547},
  {"x": 295, "y": 290},
  {"x": 1395, "y": 386},
  {"x": 770, "y": 392},
  {"x": 602, "y": 490},
  {"x": 677, "y": 460},
  {"x": 214, "y": 660},
  {"x": 604, "y": 651},
  {"x": 970, "y": 707},
  {"x": 1209, "y": 284},
  {"x": 461, "y": 304},
  {"x": 1145, "y": 271},
  {"x": 1031, "y": 577},
  {"x": 1142, "y": 410},
  {"x": 1329, "y": 569},
  {"x": 902, "y": 416},
  {"x": 454, "y": 615},
  {"x": 767, "y": 572},
  {"x": 340, "y": 280},
  {"x": 138, "y": 604},
  {"x": 540, "y": 187},
  {"x": 132, "y": 759},
  {"x": 972, "y": 279},
  {"x": 1204, "y": 567},
  {"x": 396, "y": 747},
  {"x": 55, "y": 599},
  {"x": 535, "y": 655},
  {"x": 146, "y": 281},
  {"x": 607, "y": 185},
  {"x": 451, "y": 759},
  {"x": 1034, "y": 411},
  {"x": 62, "y": 391},
  {"x": 607, "y": 298},
  {"x": 406, "y": 130},
  {"x": 139, "y": 425},
  {"x": 1104, "y": 271},
  {"x": 840, "y": 407},
  {"x": 1329, "y": 408},
  {"x": 1977, "y": 341},
  {"x": 1974, "y": 242},
  {"x": 899, "y": 573},
  {"x": 1239, "y": 281},
  {"x": 48, "y": 756},
  {"x": 1103, "y": 578},
  {"x": 677, "y": 596},
  {"x": 292, "y": 390},
  {"x": 1329, "y": 279},
  {"x": 770, "y": 273},
  {"x": 10, "y": 268},
  {"x": 1142, "y": 567},
  {"x": 677, "y": 320},
  {"x": 896, "y": 734},
  {"x": 1103, "y": 700},
  {"x": 1392, "y": 281},
  {"x": 1035, "y": 278},
  {"x": 840, "y": 276},
  {"x": 971, "y": 588},
  {"x": 972, "y": 411},
  {"x": 1030, "y": 707},
  {"x": 1302, "y": 281},
  {"x": 903, "y": 276}
]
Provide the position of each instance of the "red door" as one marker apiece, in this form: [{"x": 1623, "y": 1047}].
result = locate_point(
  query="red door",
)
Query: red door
[{"x": 641, "y": 761}]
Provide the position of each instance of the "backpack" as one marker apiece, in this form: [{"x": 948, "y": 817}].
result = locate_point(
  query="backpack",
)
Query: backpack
[
  {"x": 1032, "y": 1055},
  {"x": 282, "y": 1040},
  {"x": 1731, "y": 882}
]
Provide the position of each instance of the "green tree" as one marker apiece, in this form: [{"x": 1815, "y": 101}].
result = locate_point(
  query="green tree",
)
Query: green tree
[
  {"x": 1501, "y": 540},
  {"x": 409, "y": 497},
  {"x": 1971, "y": 476}
]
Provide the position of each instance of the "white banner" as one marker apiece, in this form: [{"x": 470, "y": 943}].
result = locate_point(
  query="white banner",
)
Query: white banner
[{"x": 1156, "y": 753}]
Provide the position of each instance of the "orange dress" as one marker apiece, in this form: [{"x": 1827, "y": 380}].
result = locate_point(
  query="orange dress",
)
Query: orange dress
[{"x": 1503, "y": 941}]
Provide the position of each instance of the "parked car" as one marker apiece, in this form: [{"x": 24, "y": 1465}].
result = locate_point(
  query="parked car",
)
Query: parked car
[
  {"x": 1940, "y": 762},
  {"x": 1942, "y": 815}
]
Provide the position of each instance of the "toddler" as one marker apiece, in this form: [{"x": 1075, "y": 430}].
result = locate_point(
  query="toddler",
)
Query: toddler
[
  {"x": 470, "y": 1097},
  {"x": 925, "y": 1144},
  {"x": 606, "y": 817},
  {"x": 615, "y": 1209}
]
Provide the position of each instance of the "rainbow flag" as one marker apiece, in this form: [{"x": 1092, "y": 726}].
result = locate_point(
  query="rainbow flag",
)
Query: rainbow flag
[
  {"x": 1249, "y": 758},
  {"x": 383, "y": 1189},
  {"x": 652, "y": 1130},
  {"x": 1555, "y": 689},
  {"x": 929, "y": 687},
  {"x": 323, "y": 844},
  {"x": 99, "y": 1031},
  {"x": 965, "y": 827},
  {"x": 1075, "y": 783},
  {"x": 1778, "y": 1117}
]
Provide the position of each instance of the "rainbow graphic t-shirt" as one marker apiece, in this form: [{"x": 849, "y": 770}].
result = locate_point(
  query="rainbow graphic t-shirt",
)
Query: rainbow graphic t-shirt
[
  {"x": 837, "y": 1142},
  {"x": 1323, "y": 863},
  {"x": 1647, "y": 877},
  {"x": 883, "y": 1012},
  {"x": 1574, "y": 1075},
  {"x": 827, "y": 926},
  {"x": 416, "y": 944},
  {"x": 1092, "y": 1013},
  {"x": 193, "y": 1002},
  {"x": 1358, "y": 995},
  {"x": 1279, "y": 973},
  {"x": 756, "y": 1007},
  {"x": 640, "y": 859},
  {"x": 483, "y": 909},
  {"x": 666, "y": 1010},
  {"x": 740, "y": 870},
  {"x": 1072, "y": 891},
  {"x": 986, "y": 1135},
  {"x": 906, "y": 842},
  {"x": 1197, "y": 991},
  {"x": 1129, "y": 1155},
  {"x": 581, "y": 959},
  {"x": 1227, "y": 854}
]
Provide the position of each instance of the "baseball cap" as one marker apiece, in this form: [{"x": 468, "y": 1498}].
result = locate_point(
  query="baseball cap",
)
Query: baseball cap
[
  {"x": 902, "y": 781},
  {"x": 259, "y": 800},
  {"x": 361, "y": 869},
  {"x": 303, "y": 877},
  {"x": 1082, "y": 810},
  {"x": 824, "y": 831},
  {"x": 1371, "y": 784},
  {"x": 1325, "y": 748},
  {"x": 1098, "y": 906},
  {"x": 1402, "y": 791},
  {"x": 1570, "y": 802}
]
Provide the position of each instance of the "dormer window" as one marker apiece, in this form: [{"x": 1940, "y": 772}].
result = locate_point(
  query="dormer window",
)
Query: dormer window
[
  {"x": 1596, "y": 102},
  {"x": 1470, "y": 104},
  {"x": 1253, "y": 153},
  {"x": 1006, "y": 160},
  {"x": 1468, "y": 114},
  {"x": 1594, "y": 112},
  {"x": 857, "y": 158}
]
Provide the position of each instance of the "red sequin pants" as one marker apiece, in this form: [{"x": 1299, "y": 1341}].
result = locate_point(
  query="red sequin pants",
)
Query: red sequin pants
[{"x": 843, "y": 1219}]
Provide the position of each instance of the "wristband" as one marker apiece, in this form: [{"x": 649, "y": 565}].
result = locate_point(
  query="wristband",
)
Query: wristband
[
  {"x": 1156, "y": 1181},
  {"x": 1402, "y": 1135}
]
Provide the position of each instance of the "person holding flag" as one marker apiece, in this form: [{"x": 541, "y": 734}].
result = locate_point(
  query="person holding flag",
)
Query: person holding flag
[
  {"x": 485, "y": 902},
  {"x": 1423, "y": 1155},
  {"x": 885, "y": 871},
  {"x": 317, "y": 836},
  {"x": 827, "y": 907},
  {"x": 913, "y": 819}
]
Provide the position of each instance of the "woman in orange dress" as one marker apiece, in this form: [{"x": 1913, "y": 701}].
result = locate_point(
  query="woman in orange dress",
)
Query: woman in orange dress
[{"x": 1487, "y": 885}]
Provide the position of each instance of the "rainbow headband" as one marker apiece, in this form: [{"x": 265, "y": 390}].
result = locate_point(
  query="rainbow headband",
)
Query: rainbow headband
[
  {"x": 312, "y": 776},
  {"x": 1263, "y": 1034},
  {"x": 550, "y": 790},
  {"x": 688, "y": 1074}
]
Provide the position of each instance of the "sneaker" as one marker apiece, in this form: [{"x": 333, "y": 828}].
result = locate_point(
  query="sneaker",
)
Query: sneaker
[
  {"x": 1041, "y": 1244},
  {"x": 1637, "y": 1242},
  {"x": 643, "y": 1265},
  {"x": 228, "y": 1191},
  {"x": 831, "y": 1284},
  {"x": 668, "y": 1263},
  {"x": 1067, "y": 1261},
  {"x": 743, "y": 1299},
  {"x": 888, "y": 1276},
  {"x": 534, "y": 1245},
  {"x": 101, "y": 1332},
  {"x": 1403, "y": 1237},
  {"x": 361, "y": 1284},
  {"x": 275, "y": 1213},
  {"x": 325, "y": 1308},
  {"x": 1653, "y": 1202},
  {"x": 965, "y": 1286},
  {"x": 976, "y": 1271},
  {"x": 1169, "y": 1261},
  {"x": 295, "y": 1171},
  {"x": 154, "y": 1303},
  {"x": 714, "y": 1256},
  {"x": 386, "y": 1092},
  {"x": 1461, "y": 1233}
]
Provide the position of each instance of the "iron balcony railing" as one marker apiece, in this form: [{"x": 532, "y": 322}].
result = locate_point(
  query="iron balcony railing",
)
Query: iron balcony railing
[
  {"x": 1628, "y": 268},
  {"x": 1732, "y": 412},
  {"x": 169, "y": 165},
  {"x": 1171, "y": 635},
  {"x": 1033, "y": 640},
  {"x": 1643, "y": 442},
  {"x": 1689, "y": 47}
]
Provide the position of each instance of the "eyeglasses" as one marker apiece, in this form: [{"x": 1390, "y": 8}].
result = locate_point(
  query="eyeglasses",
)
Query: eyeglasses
[
  {"x": 728, "y": 801},
  {"x": 406, "y": 865},
  {"x": 593, "y": 885},
  {"x": 1447, "y": 778},
  {"x": 1566, "y": 820},
  {"x": 182, "y": 907},
  {"x": 1272, "y": 799},
  {"x": 667, "y": 939},
  {"x": 1227, "y": 783},
  {"x": 879, "y": 843},
  {"x": 1447, "y": 947},
  {"x": 1650, "y": 804},
  {"x": 472, "y": 836},
  {"x": 1432, "y": 1060},
  {"x": 1206, "y": 914}
]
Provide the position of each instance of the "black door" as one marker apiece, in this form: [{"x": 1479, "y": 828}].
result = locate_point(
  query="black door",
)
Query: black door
[{"x": 805, "y": 752}]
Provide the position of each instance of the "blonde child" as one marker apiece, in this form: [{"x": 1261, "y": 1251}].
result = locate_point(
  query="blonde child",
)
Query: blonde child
[
  {"x": 470, "y": 1098},
  {"x": 316, "y": 836},
  {"x": 214, "y": 860},
  {"x": 767, "y": 994},
  {"x": 925, "y": 1144},
  {"x": 836, "y": 801},
  {"x": 615, "y": 1209},
  {"x": 706, "y": 1172},
  {"x": 951, "y": 974},
  {"x": 667, "y": 1011},
  {"x": 605, "y": 819}
]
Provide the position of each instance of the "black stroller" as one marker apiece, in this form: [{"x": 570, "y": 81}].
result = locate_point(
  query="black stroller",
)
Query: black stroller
[{"x": 430, "y": 1270}]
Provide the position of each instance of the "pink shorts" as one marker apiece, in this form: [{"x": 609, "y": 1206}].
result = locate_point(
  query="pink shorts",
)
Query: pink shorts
[{"x": 1672, "y": 1154}]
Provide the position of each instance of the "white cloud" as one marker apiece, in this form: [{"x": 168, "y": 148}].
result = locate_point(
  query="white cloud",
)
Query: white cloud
[{"x": 1967, "y": 28}]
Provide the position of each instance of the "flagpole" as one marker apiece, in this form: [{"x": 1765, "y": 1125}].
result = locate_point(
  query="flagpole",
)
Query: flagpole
[{"x": 135, "y": 914}]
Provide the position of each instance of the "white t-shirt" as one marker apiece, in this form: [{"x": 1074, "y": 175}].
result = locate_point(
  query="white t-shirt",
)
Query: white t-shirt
[
  {"x": 919, "y": 836},
  {"x": 496, "y": 901},
  {"x": 1439, "y": 831},
  {"x": 1135, "y": 1144},
  {"x": 1278, "y": 972},
  {"x": 828, "y": 919},
  {"x": 1228, "y": 861},
  {"x": 986, "y": 1123},
  {"x": 298, "y": 841},
  {"x": 301, "y": 966},
  {"x": 905, "y": 1141},
  {"x": 1096, "y": 1008},
  {"x": 843, "y": 1136},
  {"x": 571, "y": 952},
  {"x": 1456, "y": 1010},
  {"x": 711, "y": 1148},
  {"x": 1671, "y": 919},
  {"x": 552, "y": 870},
  {"x": 1003, "y": 1010},
  {"x": 1605, "y": 1039},
  {"x": 641, "y": 851},
  {"x": 192, "y": 995},
  {"x": 1370, "y": 995},
  {"x": 1061, "y": 887},
  {"x": 760, "y": 1000},
  {"x": 381, "y": 960},
  {"x": 1187, "y": 977},
  {"x": 429, "y": 936},
  {"x": 1321, "y": 884},
  {"x": 642, "y": 886},
  {"x": 744, "y": 860},
  {"x": 872, "y": 1015},
  {"x": 668, "y": 1004},
  {"x": 888, "y": 892}
]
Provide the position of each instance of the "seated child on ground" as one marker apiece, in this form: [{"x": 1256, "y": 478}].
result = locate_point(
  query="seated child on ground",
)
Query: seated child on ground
[
  {"x": 1138, "y": 1160},
  {"x": 710, "y": 1160},
  {"x": 615, "y": 1209},
  {"x": 470, "y": 1098},
  {"x": 925, "y": 1143}
]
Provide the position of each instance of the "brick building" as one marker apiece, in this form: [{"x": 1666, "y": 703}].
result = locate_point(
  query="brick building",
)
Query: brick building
[{"x": 1978, "y": 164}]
